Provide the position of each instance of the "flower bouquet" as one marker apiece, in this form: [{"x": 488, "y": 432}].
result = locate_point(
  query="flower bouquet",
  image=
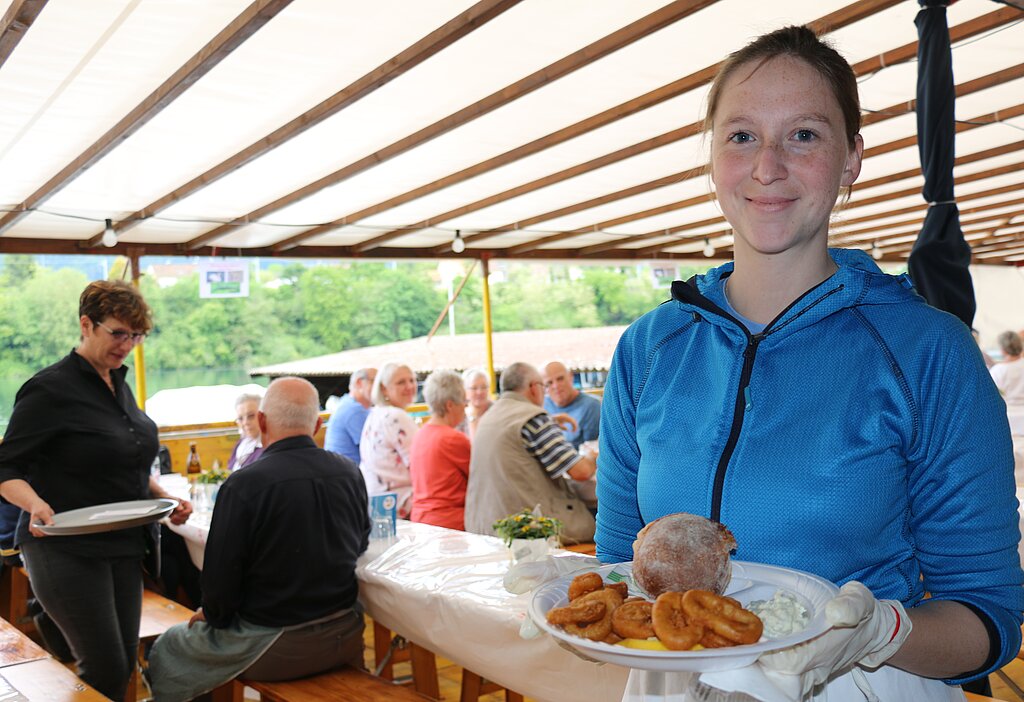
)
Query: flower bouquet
[
  {"x": 206, "y": 487},
  {"x": 528, "y": 535}
]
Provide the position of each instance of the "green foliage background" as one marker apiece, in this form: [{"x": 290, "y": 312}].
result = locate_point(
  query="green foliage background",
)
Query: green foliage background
[{"x": 312, "y": 310}]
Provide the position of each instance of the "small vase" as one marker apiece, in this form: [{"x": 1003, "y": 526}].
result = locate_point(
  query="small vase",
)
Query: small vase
[{"x": 527, "y": 550}]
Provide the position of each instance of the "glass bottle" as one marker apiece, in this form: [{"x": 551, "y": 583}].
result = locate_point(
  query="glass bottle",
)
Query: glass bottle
[{"x": 193, "y": 467}]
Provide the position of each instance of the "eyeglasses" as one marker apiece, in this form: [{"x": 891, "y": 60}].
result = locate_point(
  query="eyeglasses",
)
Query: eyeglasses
[{"x": 120, "y": 336}]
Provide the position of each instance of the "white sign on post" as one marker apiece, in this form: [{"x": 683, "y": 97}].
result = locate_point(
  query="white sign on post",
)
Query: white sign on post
[{"x": 223, "y": 279}]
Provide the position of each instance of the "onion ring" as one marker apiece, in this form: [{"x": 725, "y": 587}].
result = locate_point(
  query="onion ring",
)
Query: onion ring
[
  {"x": 633, "y": 620},
  {"x": 722, "y": 615},
  {"x": 582, "y": 584},
  {"x": 621, "y": 588},
  {"x": 600, "y": 629},
  {"x": 577, "y": 613},
  {"x": 671, "y": 625}
]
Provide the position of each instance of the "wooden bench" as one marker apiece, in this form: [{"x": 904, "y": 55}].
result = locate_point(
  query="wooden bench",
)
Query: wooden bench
[
  {"x": 15, "y": 591},
  {"x": 158, "y": 615},
  {"x": 972, "y": 697},
  {"x": 341, "y": 684}
]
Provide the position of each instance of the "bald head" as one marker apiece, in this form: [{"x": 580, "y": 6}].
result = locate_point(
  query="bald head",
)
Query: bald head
[
  {"x": 291, "y": 407},
  {"x": 558, "y": 384}
]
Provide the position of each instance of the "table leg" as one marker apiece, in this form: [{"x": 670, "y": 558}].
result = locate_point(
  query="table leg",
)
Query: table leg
[{"x": 424, "y": 671}]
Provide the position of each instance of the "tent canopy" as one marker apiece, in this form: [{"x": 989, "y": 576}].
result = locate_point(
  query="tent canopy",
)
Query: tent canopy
[{"x": 562, "y": 130}]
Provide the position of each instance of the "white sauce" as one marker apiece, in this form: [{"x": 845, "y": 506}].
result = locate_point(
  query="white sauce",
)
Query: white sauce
[{"x": 782, "y": 615}]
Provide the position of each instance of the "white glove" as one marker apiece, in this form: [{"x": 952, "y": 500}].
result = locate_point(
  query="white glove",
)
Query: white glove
[{"x": 865, "y": 632}]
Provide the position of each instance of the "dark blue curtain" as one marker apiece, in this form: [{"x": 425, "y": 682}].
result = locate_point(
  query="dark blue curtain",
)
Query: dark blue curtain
[{"x": 940, "y": 257}]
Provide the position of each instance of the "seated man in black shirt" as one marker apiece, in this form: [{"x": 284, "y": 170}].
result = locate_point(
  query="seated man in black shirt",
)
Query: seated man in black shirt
[{"x": 279, "y": 583}]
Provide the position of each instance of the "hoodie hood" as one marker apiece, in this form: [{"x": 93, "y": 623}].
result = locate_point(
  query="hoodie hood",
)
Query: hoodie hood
[{"x": 858, "y": 281}]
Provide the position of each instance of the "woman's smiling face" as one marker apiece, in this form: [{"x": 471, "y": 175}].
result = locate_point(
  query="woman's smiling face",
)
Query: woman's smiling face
[{"x": 779, "y": 156}]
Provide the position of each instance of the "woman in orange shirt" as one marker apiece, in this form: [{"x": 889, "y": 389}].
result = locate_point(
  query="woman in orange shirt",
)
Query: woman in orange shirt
[{"x": 439, "y": 460}]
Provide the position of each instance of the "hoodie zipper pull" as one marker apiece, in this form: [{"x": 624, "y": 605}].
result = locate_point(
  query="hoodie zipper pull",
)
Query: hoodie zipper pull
[{"x": 748, "y": 354}]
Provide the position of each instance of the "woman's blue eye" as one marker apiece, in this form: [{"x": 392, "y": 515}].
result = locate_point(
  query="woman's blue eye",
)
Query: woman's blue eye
[
  {"x": 805, "y": 135},
  {"x": 740, "y": 138}
]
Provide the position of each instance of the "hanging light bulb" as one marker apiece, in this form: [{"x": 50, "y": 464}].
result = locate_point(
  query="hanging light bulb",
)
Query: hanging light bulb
[
  {"x": 109, "y": 235},
  {"x": 876, "y": 251},
  {"x": 458, "y": 243},
  {"x": 709, "y": 250}
]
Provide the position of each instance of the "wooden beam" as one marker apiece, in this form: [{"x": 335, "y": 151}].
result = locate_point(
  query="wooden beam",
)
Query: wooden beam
[
  {"x": 442, "y": 37},
  {"x": 829, "y": 22},
  {"x": 608, "y": 249},
  {"x": 975, "y": 85},
  {"x": 625, "y": 36},
  {"x": 589, "y": 124},
  {"x": 241, "y": 28},
  {"x": 15, "y": 24},
  {"x": 847, "y": 235}
]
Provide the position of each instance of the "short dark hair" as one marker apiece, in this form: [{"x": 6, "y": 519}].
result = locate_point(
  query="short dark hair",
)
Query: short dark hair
[{"x": 117, "y": 299}]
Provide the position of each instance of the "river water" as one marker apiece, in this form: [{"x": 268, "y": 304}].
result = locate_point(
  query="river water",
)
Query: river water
[{"x": 155, "y": 382}]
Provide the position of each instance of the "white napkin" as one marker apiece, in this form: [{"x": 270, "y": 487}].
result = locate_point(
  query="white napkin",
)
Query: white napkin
[
  {"x": 128, "y": 512},
  {"x": 754, "y": 682},
  {"x": 748, "y": 683}
]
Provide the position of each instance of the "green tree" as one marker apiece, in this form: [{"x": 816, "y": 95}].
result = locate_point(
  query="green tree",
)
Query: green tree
[
  {"x": 17, "y": 270},
  {"x": 39, "y": 320},
  {"x": 620, "y": 296}
]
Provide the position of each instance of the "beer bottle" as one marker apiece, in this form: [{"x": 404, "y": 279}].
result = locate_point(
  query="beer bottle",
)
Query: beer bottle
[{"x": 193, "y": 467}]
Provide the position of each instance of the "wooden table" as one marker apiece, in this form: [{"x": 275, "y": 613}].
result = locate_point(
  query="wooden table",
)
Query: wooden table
[
  {"x": 16, "y": 648},
  {"x": 46, "y": 680}
]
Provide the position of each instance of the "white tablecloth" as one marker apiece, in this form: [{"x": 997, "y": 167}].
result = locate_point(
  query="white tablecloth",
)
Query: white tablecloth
[{"x": 443, "y": 590}]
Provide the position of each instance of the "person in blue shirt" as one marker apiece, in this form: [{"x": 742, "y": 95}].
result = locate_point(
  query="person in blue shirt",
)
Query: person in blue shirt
[
  {"x": 346, "y": 423},
  {"x": 562, "y": 398},
  {"x": 819, "y": 408}
]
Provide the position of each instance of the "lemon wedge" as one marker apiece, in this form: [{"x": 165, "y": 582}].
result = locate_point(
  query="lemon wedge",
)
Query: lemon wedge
[{"x": 648, "y": 644}]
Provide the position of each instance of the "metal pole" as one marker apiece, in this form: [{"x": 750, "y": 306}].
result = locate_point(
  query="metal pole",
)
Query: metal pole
[
  {"x": 486, "y": 270},
  {"x": 138, "y": 353}
]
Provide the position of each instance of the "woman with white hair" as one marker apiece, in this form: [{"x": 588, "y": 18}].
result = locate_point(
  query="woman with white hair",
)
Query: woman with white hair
[
  {"x": 440, "y": 455},
  {"x": 249, "y": 446},
  {"x": 387, "y": 435},
  {"x": 478, "y": 395},
  {"x": 1008, "y": 375}
]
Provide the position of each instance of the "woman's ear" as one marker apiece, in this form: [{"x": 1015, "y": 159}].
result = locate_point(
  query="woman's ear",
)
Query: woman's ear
[{"x": 853, "y": 161}]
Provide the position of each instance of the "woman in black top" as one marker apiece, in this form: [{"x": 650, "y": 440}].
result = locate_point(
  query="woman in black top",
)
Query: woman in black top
[{"x": 77, "y": 439}]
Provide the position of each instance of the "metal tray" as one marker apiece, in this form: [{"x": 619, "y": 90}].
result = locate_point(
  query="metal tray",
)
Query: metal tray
[{"x": 108, "y": 517}]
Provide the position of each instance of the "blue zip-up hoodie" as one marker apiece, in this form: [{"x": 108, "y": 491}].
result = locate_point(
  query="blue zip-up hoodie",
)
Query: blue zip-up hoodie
[{"x": 859, "y": 437}]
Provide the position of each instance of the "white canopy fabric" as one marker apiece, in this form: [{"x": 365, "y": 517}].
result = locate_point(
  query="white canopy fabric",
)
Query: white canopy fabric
[{"x": 564, "y": 129}]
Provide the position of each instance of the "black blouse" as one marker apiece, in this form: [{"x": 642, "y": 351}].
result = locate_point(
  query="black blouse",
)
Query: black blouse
[{"x": 79, "y": 445}]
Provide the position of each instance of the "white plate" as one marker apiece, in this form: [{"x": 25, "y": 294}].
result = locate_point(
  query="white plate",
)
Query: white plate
[
  {"x": 108, "y": 517},
  {"x": 750, "y": 581}
]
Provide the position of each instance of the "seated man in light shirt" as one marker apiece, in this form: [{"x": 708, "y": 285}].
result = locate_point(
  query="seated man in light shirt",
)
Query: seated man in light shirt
[
  {"x": 563, "y": 398},
  {"x": 345, "y": 425},
  {"x": 520, "y": 459}
]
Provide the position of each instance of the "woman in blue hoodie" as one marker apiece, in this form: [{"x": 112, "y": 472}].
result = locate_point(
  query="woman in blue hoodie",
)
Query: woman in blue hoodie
[{"x": 820, "y": 409}]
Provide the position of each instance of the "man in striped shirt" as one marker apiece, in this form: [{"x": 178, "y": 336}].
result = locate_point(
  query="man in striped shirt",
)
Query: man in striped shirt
[{"x": 521, "y": 459}]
